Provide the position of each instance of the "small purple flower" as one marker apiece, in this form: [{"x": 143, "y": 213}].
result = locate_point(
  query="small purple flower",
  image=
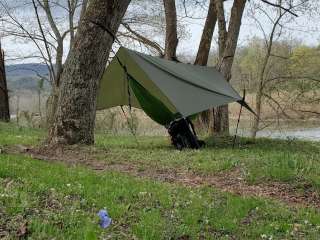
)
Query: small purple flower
[{"x": 105, "y": 220}]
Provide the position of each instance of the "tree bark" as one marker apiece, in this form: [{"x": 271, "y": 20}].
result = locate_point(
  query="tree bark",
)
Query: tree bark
[
  {"x": 52, "y": 105},
  {"x": 223, "y": 34},
  {"x": 4, "y": 97},
  {"x": 84, "y": 67},
  {"x": 171, "y": 30},
  {"x": 204, "y": 50},
  {"x": 83, "y": 9},
  {"x": 221, "y": 118},
  {"x": 72, "y": 5},
  {"x": 207, "y": 34}
]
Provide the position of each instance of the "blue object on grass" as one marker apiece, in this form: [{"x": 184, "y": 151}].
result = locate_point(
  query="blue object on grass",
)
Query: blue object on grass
[{"x": 105, "y": 220}]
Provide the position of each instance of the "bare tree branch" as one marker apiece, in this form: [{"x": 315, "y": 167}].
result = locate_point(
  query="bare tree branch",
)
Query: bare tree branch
[
  {"x": 44, "y": 39},
  {"x": 281, "y": 7},
  {"x": 28, "y": 33},
  {"x": 143, "y": 39}
]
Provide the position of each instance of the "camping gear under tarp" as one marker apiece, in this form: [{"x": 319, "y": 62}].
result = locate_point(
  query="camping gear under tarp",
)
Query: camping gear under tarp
[
  {"x": 183, "y": 135},
  {"x": 164, "y": 89}
]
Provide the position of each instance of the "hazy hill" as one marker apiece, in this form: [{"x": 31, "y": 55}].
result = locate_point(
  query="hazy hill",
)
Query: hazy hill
[{"x": 25, "y": 76}]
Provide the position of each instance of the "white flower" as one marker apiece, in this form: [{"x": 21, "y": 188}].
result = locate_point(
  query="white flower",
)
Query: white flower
[
  {"x": 264, "y": 236},
  {"x": 143, "y": 193}
]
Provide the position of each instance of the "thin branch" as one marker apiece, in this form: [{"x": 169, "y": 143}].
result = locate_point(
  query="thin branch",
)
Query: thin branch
[
  {"x": 44, "y": 37},
  {"x": 46, "y": 7},
  {"x": 277, "y": 103},
  {"x": 67, "y": 32},
  {"x": 292, "y": 77},
  {"x": 144, "y": 40},
  {"x": 24, "y": 35},
  {"x": 307, "y": 111},
  {"x": 26, "y": 31},
  {"x": 281, "y": 7},
  {"x": 278, "y": 56}
]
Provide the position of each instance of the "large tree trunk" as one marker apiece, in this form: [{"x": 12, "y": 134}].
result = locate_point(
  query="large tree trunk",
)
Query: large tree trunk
[
  {"x": 75, "y": 116},
  {"x": 204, "y": 50},
  {"x": 4, "y": 97},
  {"x": 171, "y": 30},
  {"x": 221, "y": 119}
]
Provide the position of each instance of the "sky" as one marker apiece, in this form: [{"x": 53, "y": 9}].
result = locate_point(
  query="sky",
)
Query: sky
[{"x": 304, "y": 28}]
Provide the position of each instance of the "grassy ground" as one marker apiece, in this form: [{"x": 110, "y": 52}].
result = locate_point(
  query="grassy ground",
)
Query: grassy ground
[
  {"x": 263, "y": 160},
  {"x": 43, "y": 200}
]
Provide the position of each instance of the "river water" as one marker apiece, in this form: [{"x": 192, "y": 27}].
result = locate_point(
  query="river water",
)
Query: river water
[
  {"x": 303, "y": 130},
  {"x": 312, "y": 134}
]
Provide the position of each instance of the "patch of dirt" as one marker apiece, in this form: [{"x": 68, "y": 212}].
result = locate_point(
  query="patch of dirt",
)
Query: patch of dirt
[
  {"x": 234, "y": 182},
  {"x": 4, "y": 232},
  {"x": 230, "y": 181},
  {"x": 13, "y": 227},
  {"x": 48, "y": 200}
]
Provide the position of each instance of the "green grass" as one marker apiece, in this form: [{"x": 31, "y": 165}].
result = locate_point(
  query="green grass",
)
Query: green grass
[
  {"x": 62, "y": 202},
  {"x": 10, "y": 134},
  {"x": 261, "y": 160}
]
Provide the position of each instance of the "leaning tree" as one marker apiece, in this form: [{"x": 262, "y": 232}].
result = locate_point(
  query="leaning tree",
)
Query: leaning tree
[{"x": 75, "y": 116}]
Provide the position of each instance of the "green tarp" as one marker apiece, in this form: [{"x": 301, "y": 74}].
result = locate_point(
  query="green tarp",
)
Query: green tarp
[
  {"x": 152, "y": 106},
  {"x": 162, "y": 88}
]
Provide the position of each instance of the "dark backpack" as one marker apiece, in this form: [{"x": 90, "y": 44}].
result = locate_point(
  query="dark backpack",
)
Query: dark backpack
[{"x": 183, "y": 135}]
